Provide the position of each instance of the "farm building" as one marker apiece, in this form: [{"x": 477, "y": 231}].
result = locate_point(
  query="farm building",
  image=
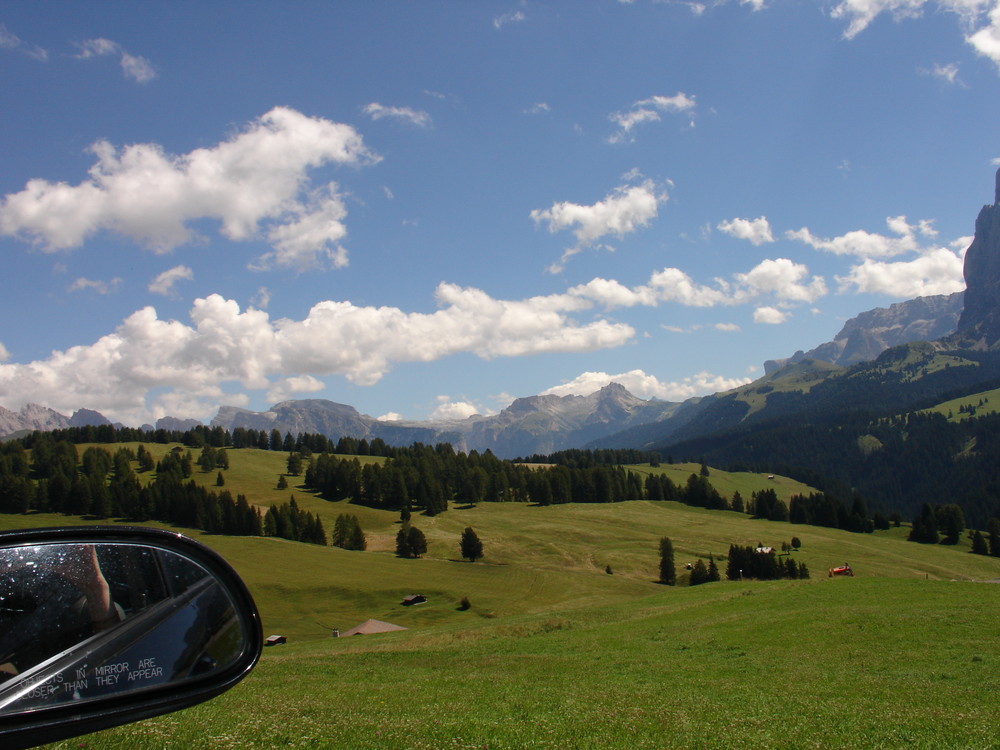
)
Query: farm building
[
  {"x": 409, "y": 601},
  {"x": 274, "y": 640},
  {"x": 369, "y": 627}
]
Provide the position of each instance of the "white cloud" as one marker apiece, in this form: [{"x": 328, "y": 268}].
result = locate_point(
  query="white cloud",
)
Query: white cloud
[
  {"x": 417, "y": 117},
  {"x": 646, "y": 386},
  {"x": 502, "y": 20},
  {"x": 947, "y": 73},
  {"x": 453, "y": 410},
  {"x": 869, "y": 245},
  {"x": 622, "y": 212},
  {"x": 727, "y": 327},
  {"x": 137, "y": 68},
  {"x": 780, "y": 278},
  {"x": 101, "y": 287},
  {"x": 648, "y": 110},
  {"x": 147, "y": 364},
  {"x": 538, "y": 108},
  {"x": 262, "y": 298},
  {"x": 986, "y": 41},
  {"x": 164, "y": 283},
  {"x": 756, "y": 231},
  {"x": 259, "y": 176},
  {"x": 769, "y": 315},
  {"x": 288, "y": 387},
  {"x": 11, "y": 41},
  {"x": 937, "y": 271},
  {"x": 4, "y": 354},
  {"x": 980, "y": 19}
]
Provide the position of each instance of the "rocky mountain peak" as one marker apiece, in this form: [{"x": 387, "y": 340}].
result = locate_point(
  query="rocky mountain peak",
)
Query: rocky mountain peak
[{"x": 980, "y": 323}]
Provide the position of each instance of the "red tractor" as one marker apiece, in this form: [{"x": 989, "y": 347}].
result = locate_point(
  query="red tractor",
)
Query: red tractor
[{"x": 843, "y": 570}]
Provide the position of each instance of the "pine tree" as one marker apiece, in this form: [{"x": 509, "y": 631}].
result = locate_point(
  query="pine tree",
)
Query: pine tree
[
  {"x": 713, "y": 570},
  {"x": 403, "y": 542},
  {"x": 979, "y": 546},
  {"x": 993, "y": 528},
  {"x": 472, "y": 547},
  {"x": 220, "y": 481},
  {"x": 417, "y": 542},
  {"x": 699, "y": 573},
  {"x": 668, "y": 575}
]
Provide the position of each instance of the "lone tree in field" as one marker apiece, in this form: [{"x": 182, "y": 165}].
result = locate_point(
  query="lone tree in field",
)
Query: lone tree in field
[
  {"x": 668, "y": 575},
  {"x": 410, "y": 541},
  {"x": 472, "y": 547}
]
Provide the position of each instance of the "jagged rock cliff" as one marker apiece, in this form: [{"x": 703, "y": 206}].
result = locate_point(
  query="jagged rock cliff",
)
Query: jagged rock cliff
[{"x": 980, "y": 324}]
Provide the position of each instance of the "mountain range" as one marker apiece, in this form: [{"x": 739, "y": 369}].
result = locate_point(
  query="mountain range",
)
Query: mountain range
[{"x": 873, "y": 361}]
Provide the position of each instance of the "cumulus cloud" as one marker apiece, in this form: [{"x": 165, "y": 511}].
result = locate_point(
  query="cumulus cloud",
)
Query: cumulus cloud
[
  {"x": 287, "y": 388},
  {"x": 769, "y": 315},
  {"x": 137, "y": 373},
  {"x": 869, "y": 245},
  {"x": 453, "y": 410},
  {"x": 756, "y": 231},
  {"x": 4, "y": 354},
  {"x": 937, "y": 271},
  {"x": 648, "y": 110},
  {"x": 414, "y": 116},
  {"x": 11, "y": 41},
  {"x": 94, "y": 285},
  {"x": 781, "y": 278},
  {"x": 164, "y": 282},
  {"x": 644, "y": 385},
  {"x": 257, "y": 177},
  {"x": 623, "y": 211},
  {"x": 137, "y": 68}
]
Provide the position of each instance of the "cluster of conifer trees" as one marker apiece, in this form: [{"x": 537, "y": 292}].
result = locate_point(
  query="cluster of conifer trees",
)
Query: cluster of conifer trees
[
  {"x": 104, "y": 485},
  {"x": 751, "y": 562}
]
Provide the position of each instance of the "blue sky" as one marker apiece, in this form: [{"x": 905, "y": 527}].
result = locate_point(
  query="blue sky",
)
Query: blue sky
[{"x": 430, "y": 208}]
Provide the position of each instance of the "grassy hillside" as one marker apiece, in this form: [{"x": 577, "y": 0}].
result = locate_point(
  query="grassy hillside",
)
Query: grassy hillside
[
  {"x": 977, "y": 404},
  {"x": 556, "y": 653}
]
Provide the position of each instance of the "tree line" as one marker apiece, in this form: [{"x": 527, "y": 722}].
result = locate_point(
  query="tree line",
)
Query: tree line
[{"x": 102, "y": 485}]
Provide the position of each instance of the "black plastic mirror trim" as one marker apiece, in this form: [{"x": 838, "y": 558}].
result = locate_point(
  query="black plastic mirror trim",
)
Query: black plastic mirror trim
[{"x": 70, "y": 720}]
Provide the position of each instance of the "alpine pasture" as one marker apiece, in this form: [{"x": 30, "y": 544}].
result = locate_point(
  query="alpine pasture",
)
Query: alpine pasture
[{"x": 556, "y": 652}]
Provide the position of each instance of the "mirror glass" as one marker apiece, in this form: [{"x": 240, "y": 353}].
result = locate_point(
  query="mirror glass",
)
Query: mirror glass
[{"x": 80, "y": 622}]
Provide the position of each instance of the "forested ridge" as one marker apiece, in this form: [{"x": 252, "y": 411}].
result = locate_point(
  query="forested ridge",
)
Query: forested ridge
[
  {"x": 900, "y": 461},
  {"x": 44, "y": 472}
]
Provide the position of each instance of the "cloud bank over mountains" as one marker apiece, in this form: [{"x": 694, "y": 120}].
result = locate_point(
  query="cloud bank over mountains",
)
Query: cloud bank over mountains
[{"x": 257, "y": 183}]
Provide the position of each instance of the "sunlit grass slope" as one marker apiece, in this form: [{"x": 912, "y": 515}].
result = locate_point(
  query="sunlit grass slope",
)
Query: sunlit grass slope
[
  {"x": 828, "y": 663},
  {"x": 557, "y": 653}
]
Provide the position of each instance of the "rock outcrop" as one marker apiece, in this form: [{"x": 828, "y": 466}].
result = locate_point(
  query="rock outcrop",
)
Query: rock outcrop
[{"x": 979, "y": 326}]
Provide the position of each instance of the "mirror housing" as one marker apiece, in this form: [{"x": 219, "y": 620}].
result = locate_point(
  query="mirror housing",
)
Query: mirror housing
[{"x": 102, "y": 626}]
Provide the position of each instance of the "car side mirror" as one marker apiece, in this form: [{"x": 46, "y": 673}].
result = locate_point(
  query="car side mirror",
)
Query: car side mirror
[{"x": 101, "y": 626}]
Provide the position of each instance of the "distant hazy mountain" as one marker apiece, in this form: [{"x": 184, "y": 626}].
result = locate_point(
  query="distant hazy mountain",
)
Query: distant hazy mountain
[
  {"x": 867, "y": 335},
  {"x": 536, "y": 424},
  {"x": 34, "y": 417}
]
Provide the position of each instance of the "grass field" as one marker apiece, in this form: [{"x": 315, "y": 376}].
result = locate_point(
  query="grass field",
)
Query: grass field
[{"x": 556, "y": 653}]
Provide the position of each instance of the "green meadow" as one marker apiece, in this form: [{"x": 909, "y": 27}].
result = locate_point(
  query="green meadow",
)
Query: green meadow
[{"x": 555, "y": 652}]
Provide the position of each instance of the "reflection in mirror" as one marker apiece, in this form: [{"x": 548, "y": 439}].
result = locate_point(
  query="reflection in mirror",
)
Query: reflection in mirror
[{"x": 86, "y": 621}]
